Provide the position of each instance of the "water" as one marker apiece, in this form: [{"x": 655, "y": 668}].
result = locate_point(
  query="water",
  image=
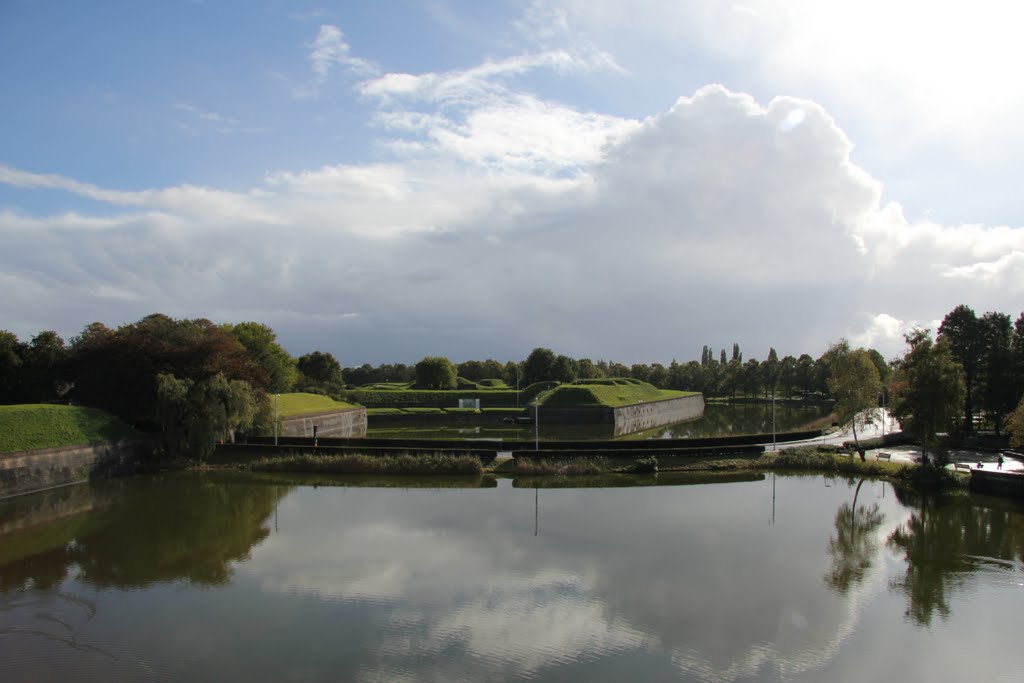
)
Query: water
[
  {"x": 202, "y": 577},
  {"x": 719, "y": 420}
]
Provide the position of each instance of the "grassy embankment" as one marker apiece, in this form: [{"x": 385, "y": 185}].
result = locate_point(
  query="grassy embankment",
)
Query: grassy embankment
[
  {"x": 612, "y": 393},
  {"x": 290, "y": 405},
  {"x": 369, "y": 464},
  {"x": 30, "y": 426}
]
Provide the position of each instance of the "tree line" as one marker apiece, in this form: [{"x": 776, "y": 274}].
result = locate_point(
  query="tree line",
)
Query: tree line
[{"x": 195, "y": 381}]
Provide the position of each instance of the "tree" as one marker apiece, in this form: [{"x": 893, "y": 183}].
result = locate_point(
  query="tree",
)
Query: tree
[
  {"x": 565, "y": 369},
  {"x": 770, "y": 371},
  {"x": 539, "y": 366},
  {"x": 320, "y": 370},
  {"x": 435, "y": 372},
  {"x": 928, "y": 389},
  {"x": 473, "y": 370},
  {"x": 44, "y": 369},
  {"x": 998, "y": 394},
  {"x": 1015, "y": 423},
  {"x": 194, "y": 415},
  {"x": 261, "y": 343},
  {"x": 12, "y": 353},
  {"x": 962, "y": 330},
  {"x": 854, "y": 382}
]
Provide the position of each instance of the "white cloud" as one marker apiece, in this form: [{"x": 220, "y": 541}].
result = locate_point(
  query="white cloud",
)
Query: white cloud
[
  {"x": 328, "y": 50},
  {"x": 510, "y": 221}
]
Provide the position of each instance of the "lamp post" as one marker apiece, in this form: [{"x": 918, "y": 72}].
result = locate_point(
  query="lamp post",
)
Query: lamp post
[
  {"x": 277, "y": 399},
  {"x": 773, "y": 420},
  {"x": 536, "y": 424}
]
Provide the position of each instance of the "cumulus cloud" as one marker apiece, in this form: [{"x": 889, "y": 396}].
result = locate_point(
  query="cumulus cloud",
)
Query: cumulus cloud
[{"x": 510, "y": 222}]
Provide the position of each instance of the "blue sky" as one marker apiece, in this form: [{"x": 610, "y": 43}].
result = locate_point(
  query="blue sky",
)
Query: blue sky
[{"x": 614, "y": 180}]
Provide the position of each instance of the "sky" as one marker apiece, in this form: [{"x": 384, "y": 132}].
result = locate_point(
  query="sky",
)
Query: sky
[{"x": 626, "y": 181}]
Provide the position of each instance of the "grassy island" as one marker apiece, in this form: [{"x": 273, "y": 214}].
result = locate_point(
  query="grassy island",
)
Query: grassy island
[{"x": 30, "y": 426}]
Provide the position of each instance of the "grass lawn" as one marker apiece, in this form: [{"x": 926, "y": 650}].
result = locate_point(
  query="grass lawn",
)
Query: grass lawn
[
  {"x": 613, "y": 395},
  {"x": 307, "y": 404},
  {"x": 28, "y": 426}
]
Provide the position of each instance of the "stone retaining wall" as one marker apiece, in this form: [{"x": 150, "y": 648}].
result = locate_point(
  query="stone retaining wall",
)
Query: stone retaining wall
[
  {"x": 36, "y": 470},
  {"x": 336, "y": 423},
  {"x": 629, "y": 419}
]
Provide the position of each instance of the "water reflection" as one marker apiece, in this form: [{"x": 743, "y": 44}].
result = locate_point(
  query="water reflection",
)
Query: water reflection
[
  {"x": 853, "y": 549},
  {"x": 273, "y": 578},
  {"x": 946, "y": 541}
]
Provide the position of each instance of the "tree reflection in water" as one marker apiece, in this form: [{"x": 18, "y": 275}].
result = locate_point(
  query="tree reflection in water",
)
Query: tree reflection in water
[
  {"x": 945, "y": 541},
  {"x": 853, "y": 548}
]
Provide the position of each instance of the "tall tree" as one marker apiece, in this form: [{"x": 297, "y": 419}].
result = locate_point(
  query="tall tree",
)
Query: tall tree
[
  {"x": 261, "y": 343},
  {"x": 539, "y": 366},
  {"x": 998, "y": 393},
  {"x": 853, "y": 380},
  {"x": 12, "y": 354},
  {"x": 962, "y": 330},
  {"x": 435, "y": 372},
  {"x": 928, "y": 389},
  {"x": 320, "y": 370},
  {"x": 194, "y": 415}
]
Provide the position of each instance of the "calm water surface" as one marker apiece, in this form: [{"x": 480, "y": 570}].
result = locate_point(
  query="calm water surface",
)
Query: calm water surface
[{"x": 200, "y": 577}]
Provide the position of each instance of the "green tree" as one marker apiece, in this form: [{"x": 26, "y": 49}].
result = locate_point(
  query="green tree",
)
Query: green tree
[
  {"x": 1015, "y": 424},
  {"x": 44, "y": 369},
  {"x": 320, "y": 370},
  {"x": 194, "y": 415},
  {"x": 962, "y": 330},
  {"x": 770, "y": 372},
  {"x": 854, "y": 382},
  {"x": 565, "y": 369},
  {"x": 928, "y": 389},
  {"x": 539, "y": 366},
  {"x": 998, "y": 394},
  {"x": 261, "y": 343},
  {"x": 435, "y": 372},
  {"x": 12, "y": 353}
]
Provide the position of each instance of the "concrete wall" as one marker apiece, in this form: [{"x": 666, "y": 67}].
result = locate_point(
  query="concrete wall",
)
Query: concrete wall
[
  {"x": 998, "y": 483},
  {"x": 641, "y": 416},
  {"x": 36, "y": 470},
  {"x": 336, "y": 423},
  {"x": 632, "y": 418}
]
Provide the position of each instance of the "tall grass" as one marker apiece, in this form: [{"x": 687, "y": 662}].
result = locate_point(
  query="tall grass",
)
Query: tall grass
[
  {"x": 573, "y": 466},
  {"x": 370, "y": 464}
]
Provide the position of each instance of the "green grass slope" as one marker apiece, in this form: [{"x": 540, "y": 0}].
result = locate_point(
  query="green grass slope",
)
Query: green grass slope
[
  {"x": 29, "y": 426},
  {"x": 610, "y": 394},
  {"x": 307, "y": 404}
]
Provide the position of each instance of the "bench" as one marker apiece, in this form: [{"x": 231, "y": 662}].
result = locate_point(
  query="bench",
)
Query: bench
[
  {"x": 883, "y": 456},
  {"x": 961, "y": 466}
]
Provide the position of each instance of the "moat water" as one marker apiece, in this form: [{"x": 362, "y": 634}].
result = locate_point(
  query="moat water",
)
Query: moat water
[{"x": 665, "y": 578}]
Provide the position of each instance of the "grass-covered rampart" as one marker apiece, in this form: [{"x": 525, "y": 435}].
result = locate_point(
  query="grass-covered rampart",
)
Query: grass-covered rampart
[
  {"x": 608, "y": 393},
  {"x": 290, "y": 405},
  {"x": 31, "y": 426}
]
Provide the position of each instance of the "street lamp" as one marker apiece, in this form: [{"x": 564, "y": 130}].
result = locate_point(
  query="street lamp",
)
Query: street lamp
[{"x": 277, "y": 399}]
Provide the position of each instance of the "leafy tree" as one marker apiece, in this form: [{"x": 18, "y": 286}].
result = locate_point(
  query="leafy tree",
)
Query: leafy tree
[
  {"x": 435, "y": 372},
  {"x": 473, "y": 370},
  {"x": 853, "y": 380},
  {"x": 587, "y": 370},
  {"x": 962, "y": 330},
  {"x": 261, "y": 343},
  {"x": 564, "y": 369},
  {"x": 117, "y": 370},
  {"x": 12, "y": 354},
  {"x": 928, "y": 389},
  {"x": 998, "y": 394},
  {"x": 539, "y": 366},
  {"x": 770, "y": 371},
  {"x": 788, "y": 374},
  {"x": 320, "y": 370},
  {"x": 194, "y": 415},
  {"x": 44, "y": 369},
  {"x": 1015, "y": 423}
]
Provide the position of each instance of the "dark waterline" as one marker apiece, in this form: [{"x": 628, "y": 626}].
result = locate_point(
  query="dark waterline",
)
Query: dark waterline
[{"x": 203, "y": 577}]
